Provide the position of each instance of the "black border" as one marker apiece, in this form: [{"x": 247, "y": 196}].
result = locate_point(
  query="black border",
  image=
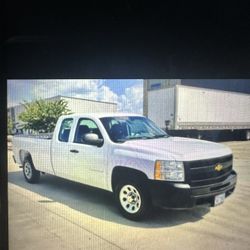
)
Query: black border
[
  {"x": 4, "y": 243},
  {"x": 121, "y": 40}
]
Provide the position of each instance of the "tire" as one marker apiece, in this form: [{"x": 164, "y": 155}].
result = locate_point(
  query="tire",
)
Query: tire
[
  {"x": 31, "y": 175},
  {"x": 133, "y": 200},
  {"x": 247, "y": 135}
]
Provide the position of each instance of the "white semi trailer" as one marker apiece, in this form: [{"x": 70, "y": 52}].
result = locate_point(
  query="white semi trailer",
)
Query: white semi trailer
[{"x": 184, "y": 110}]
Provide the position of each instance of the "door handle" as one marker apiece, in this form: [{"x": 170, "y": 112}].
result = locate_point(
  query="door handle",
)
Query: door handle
[{"x": 74, "y": 151}]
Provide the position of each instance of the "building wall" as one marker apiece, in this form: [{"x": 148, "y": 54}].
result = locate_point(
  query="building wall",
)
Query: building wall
[
  {"x": 155, "y": 84},
  {"x": 76, "y": 105},
  {"x": 85, "y": 106},
  {"x": 235, "y": 85},
  {"x": 15, "y": 111}
]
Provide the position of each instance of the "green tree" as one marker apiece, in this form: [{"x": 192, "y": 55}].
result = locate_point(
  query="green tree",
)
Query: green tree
[
  {"x": 41, "y": 115},
  {"x": 10, "y": 126}
]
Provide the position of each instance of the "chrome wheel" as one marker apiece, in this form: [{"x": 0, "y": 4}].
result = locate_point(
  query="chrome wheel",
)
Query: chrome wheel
[
  {"x": 130, "y": 199},
  {"x": 28, "y": 170}
]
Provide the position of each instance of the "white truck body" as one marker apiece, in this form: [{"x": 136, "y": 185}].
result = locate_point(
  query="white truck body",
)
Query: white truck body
[
  {"x": 199, "y": 108},
  {"x": 95, "y": 165}
]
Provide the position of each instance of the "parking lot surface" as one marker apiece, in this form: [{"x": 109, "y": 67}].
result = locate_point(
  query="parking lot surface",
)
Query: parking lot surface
[{"x": 59, "y": 214}]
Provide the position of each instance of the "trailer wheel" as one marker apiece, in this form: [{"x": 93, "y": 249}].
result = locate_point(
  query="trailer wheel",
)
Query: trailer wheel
[
  {"x": 133, "y": 200},
  {"x": 248, "y": 135},
  {"x": 30, "y": 173},
  {"x": 199, "y": 136}
]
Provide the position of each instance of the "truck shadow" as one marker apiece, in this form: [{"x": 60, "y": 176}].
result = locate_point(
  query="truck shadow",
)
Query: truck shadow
[{"x": 99, "y": 203}]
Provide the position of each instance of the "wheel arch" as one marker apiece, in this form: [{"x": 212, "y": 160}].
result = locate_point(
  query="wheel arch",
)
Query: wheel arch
[
  {"x": 23, "y": 154},
  {"x": 121, "y": 172}
]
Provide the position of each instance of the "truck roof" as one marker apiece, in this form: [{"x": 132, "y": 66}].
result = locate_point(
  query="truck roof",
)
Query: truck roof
[{"x": 101, "y": 115}]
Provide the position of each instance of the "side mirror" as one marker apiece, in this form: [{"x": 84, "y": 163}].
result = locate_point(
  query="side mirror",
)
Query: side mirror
[{"x": 93, "y": 139}]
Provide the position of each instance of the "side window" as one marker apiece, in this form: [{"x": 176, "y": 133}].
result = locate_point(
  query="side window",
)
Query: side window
[
  {"x": 65, "y": 130},
  {"x": 86, "y": 126}
]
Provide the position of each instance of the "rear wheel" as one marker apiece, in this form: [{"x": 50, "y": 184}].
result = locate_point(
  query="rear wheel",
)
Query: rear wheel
[
  {"x": 133, "y": 200},
  {"x": 30, "y": 173}
]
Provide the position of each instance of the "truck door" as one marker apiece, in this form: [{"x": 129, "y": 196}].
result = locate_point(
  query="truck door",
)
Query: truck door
[
  {"x": 60, "y": 149},
  {"x": 87, "y": 161}
]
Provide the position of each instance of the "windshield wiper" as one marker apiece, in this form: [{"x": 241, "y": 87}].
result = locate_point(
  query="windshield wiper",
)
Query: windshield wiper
[
  {"x": 147, "y": 137},
  {"x": 120, "y": 140},
  {"x": 140, "y": 138},
  {"x": 137, "y": 137},
  {"x": 159, "y": 136}
]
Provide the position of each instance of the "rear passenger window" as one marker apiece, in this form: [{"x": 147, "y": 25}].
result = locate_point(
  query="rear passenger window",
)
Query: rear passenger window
[{"x": 65, "y": 129}]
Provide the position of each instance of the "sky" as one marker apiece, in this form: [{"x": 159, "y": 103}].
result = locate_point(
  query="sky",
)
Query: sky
[{"x": 128, "y": 94}]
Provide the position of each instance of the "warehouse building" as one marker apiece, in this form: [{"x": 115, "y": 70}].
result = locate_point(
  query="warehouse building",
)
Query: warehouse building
[{"x": 75, "y": 105}]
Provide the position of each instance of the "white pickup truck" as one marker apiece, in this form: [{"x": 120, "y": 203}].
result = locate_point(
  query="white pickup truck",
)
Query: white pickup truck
[{"x": 130, "y": 156}]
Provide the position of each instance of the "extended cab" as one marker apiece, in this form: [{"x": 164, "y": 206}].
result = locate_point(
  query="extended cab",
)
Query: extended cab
[{"x": 129, "y": 155}]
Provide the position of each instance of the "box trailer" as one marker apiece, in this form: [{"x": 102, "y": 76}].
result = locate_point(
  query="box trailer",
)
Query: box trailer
[{"x": 186, "y": 109}]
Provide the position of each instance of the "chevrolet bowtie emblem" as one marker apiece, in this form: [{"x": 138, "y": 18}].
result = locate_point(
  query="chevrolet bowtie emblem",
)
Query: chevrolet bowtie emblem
[{"x": 218, "y": 167}]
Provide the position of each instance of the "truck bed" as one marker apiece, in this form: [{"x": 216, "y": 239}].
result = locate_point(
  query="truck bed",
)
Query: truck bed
[
  {"x": 39, "y": 146},
  {"x": 47, "y": 136}
]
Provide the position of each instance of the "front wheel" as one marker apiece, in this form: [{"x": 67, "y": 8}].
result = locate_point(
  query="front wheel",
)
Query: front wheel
[
  {"x": 133, "y": 200},
  {"x": 30, "y": 173}
]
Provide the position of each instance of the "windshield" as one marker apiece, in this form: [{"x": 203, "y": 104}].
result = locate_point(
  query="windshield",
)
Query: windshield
[{"x": 121, "y": 129}]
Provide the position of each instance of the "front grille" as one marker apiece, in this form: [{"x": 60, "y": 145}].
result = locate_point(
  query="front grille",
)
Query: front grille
[{"x": 202, "y": 172}]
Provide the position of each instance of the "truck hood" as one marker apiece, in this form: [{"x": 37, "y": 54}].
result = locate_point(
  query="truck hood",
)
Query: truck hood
[{"x": 176, "y": 148}]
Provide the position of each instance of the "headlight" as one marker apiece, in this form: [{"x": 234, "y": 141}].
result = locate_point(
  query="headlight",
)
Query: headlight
[{"x": 169, "y": 171}]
